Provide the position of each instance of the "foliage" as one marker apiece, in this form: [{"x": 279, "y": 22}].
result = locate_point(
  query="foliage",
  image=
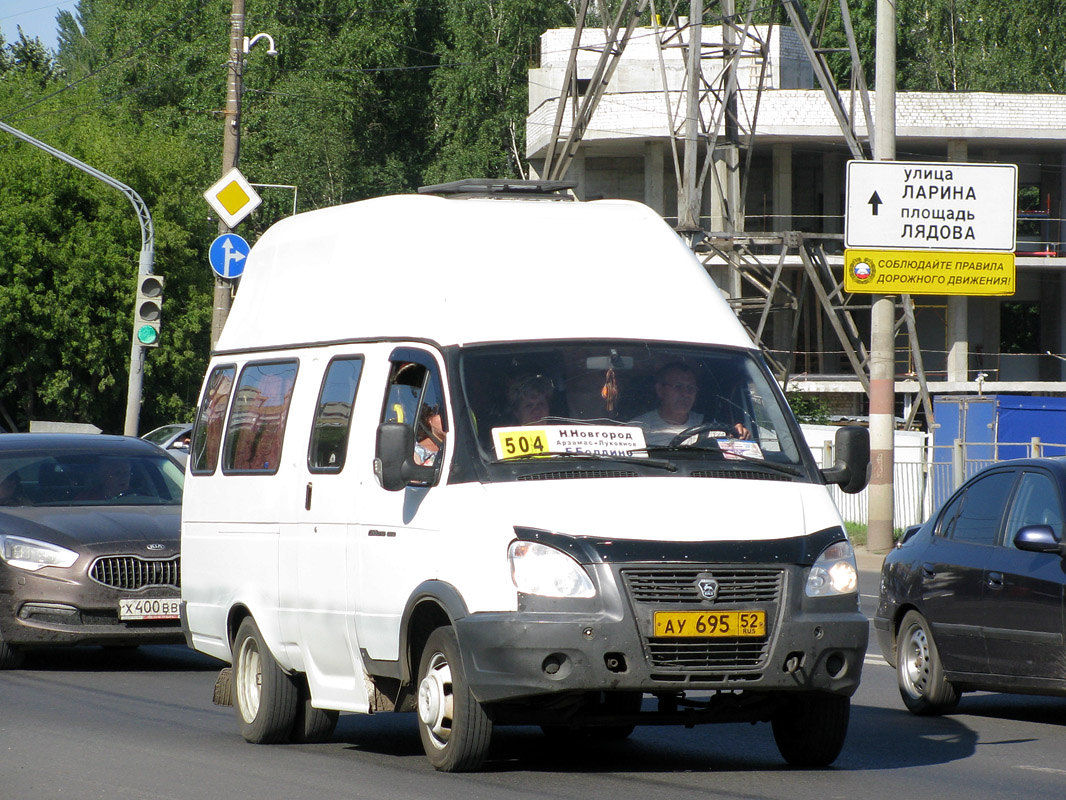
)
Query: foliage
[
  {"x": 809, "y": 408},
  {"x": 479, "y": 96},
  {"x": 365, "y": 97}
]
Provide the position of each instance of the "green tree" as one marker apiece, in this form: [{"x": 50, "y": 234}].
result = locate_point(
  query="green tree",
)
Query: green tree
[{"x": 479, "y": 92}]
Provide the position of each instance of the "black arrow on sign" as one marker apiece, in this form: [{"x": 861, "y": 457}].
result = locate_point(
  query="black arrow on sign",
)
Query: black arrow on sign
[{"x": 874, "y": 202}]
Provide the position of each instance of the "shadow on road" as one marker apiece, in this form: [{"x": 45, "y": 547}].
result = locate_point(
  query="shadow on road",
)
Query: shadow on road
[
  {"x": 915, "y": 741},
  {"x": 149, "y": 658}
]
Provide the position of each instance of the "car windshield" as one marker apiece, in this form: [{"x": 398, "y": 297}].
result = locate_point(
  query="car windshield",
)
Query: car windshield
[
  {"x": 89, "y": 479},
  {"x": 661, "y": 403}
]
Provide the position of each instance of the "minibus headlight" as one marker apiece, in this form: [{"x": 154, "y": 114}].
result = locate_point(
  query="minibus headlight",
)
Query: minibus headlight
[
  {"x": 33, "y": 555},
  {"x": 834, "y": 572},
  {"x": 545, "y": 571}
]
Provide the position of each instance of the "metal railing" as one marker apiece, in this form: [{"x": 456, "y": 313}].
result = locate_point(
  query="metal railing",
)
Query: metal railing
[{"x": 925, "y": 475}]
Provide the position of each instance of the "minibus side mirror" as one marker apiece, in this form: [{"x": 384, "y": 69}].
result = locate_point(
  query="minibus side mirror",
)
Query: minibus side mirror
[
  {"x": 851, "y": 469},
  {"x": 394, "y": 464}
]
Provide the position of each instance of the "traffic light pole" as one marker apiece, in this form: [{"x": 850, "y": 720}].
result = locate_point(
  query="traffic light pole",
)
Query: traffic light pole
[{"x": 144, "y": 267}]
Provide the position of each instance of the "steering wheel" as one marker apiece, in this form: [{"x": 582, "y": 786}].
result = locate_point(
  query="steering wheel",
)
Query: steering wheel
[{"x": 700, "y": 430}]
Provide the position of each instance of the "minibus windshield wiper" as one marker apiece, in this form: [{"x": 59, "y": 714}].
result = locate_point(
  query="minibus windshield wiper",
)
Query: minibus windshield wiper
[
  {"x": 734, "y": 457},
  {"x": 657, "y": 463}
]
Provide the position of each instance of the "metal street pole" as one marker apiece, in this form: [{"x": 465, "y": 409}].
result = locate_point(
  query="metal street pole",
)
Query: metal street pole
[
  {"x": 231, "y": 145},
  {"x": 883, "y": 316},
  {"x": 144, "y": 267}
]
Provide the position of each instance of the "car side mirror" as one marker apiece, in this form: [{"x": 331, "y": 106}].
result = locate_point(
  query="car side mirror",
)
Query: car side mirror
[
  {"x": 394, "y": 464},
  {"x": 851, "y": 469},
  {"x": 907, "y": 534},
  {"x": 1038, "y": 539}
]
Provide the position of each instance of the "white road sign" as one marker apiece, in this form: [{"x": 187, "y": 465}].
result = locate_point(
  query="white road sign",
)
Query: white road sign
[{"x": 913, "y": 205}]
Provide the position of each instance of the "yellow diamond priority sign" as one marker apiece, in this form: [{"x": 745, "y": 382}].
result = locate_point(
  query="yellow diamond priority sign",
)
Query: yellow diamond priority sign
[{"x": 232, "y": 198}]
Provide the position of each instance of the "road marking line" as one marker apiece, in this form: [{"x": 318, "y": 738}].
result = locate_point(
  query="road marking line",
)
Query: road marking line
[
  {"x": 1041, "y": 769},
  {"x": 872, "y": 659}
]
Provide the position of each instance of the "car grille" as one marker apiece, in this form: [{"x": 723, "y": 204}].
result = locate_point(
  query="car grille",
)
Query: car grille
[
  {"x": 660, "y": 588},
  {"x": 133, "y": 572}
]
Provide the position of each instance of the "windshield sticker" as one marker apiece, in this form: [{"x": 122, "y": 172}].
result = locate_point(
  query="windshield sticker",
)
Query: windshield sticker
[
  {"x": 739, "y": 448},
  {"x": 599, "y": 440}
]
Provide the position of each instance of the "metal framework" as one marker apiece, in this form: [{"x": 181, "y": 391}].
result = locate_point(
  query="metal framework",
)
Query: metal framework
[{"x": 712, "y": 126}]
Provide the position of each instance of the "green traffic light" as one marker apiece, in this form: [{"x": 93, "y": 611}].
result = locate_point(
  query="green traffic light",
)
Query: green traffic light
[{"x": 146, "y": 335}]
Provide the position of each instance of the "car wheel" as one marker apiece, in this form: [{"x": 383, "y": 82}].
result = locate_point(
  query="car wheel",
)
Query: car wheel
[
  {"x": 919, "y": 671},
  {"x": 10, "y": 657},
  {"x": 810, "y": 729},
  {"x": 454, "y": 728},
  {"x": 313, "y": 725},
  {"x": 266, "y": 699}
]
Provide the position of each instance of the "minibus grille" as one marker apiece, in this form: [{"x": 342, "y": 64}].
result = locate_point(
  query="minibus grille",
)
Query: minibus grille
[
  {"x": 132, "y": 572},
  {"x": 653, "y": 589},
  {"x": 735, "y": 585}
]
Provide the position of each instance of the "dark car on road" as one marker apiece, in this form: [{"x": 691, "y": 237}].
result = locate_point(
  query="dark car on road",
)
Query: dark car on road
[
  {"x": 89, "y": 542},
  {"x": 973, "y": 599}
]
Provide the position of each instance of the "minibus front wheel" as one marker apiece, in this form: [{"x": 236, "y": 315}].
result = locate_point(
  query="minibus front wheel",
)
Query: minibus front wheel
[
  {"x": 266, "y": 699},
  {"x": 454, "y": 728}
]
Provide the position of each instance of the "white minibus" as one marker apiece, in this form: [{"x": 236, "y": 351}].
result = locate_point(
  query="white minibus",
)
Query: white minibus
[{"x": 499, "y": 460}]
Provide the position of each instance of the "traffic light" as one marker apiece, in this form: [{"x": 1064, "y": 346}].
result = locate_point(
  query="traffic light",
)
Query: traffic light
[{"x": 148, "y": 311}]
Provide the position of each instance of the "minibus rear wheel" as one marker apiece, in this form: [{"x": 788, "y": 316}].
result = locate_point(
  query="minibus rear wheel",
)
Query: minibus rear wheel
[
  {"x": 454, "y": 728},
  {"x": 265, "y": 698}
]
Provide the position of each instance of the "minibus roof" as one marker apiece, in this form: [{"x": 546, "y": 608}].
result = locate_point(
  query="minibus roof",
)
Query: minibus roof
[{"x": 461, "y": 271}]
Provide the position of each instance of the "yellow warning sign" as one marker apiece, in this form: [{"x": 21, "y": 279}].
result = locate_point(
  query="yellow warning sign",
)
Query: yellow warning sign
[
  {"x": 232, "y": 198},
  {"x": 928, "y": 272}
]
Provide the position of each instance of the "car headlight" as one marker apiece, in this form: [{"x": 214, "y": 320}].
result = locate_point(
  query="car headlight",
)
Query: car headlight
[
  {"x": 834, "y": 572},
  {"x": 33, "y": 555},
  {"x": 545, "y": 571}
]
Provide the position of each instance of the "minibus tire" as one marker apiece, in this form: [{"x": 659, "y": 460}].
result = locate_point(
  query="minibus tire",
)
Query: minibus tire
[
  {"x": 313, "y": 725},
  {"x": 10, "y": 657},
  {"x": 454, "y": 728},
  {"x": 810, "y": 729},
  {"x": 265, "y": 698}
]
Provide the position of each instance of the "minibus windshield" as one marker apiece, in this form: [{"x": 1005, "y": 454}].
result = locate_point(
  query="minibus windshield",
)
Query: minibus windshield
[{"x": 666, "y": 404}]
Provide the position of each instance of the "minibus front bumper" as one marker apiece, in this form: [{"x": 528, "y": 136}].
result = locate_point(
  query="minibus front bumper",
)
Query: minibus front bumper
[{"x": 519, "y": 655}]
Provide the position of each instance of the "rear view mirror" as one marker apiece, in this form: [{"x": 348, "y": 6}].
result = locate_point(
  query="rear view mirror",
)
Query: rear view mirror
[
  {"x": 851, "y": 469},
  {"x": 1038, "y": 539},
  {"x": 394, "y": 465}
]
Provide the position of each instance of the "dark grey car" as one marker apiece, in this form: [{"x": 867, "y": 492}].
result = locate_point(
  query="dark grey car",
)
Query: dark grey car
[
  {"x": 89, "y": 542},
  {"x": 973, "y": 599}
]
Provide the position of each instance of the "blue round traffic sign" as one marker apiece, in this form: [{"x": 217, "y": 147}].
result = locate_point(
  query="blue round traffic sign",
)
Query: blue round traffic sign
[{"x": 227, "y": 255}]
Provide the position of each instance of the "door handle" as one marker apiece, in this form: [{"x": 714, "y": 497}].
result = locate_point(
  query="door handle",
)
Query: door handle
[
  {"x": 928, "y": 570},
  {"x": 995, "y": 580},
  {"x": 307, "y": 497}
]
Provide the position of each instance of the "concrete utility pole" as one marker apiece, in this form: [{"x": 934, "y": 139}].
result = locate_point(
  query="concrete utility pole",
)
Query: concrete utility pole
[
  {"x": 689, "y": 200},
  {"x": 883, "y": 315},
  {"x": 145, "y": 263},
  {"x": 231, "y": 146}
]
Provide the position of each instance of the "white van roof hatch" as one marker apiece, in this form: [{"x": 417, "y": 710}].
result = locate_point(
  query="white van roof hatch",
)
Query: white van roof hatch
[{"x": 480, "y": 270}]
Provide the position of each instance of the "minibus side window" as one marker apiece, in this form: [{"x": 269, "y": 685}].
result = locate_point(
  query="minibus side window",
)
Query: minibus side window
[
  {"x": 257, "y": 417},
  {"x": 333, "y": 415},
  {"x": 414, "y": 398},
  {"x": 207, "y": 432}
]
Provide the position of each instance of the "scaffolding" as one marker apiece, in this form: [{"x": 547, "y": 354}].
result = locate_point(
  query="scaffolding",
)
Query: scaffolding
[{"x": 712, "y": 123}]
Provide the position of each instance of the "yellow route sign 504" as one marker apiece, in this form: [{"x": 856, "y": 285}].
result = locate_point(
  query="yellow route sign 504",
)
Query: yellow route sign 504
[{"x": 928, "y": 272}]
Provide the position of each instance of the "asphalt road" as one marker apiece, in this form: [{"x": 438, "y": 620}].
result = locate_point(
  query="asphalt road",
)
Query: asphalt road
[{"x": 140, "y": 724}]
